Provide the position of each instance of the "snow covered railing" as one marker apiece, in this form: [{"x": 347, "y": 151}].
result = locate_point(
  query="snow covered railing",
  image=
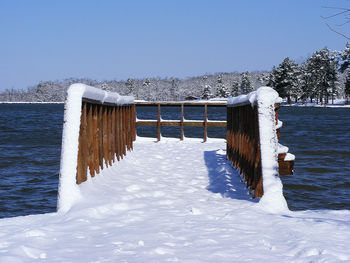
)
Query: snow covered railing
[
  {"x": 252, "y": 141},
  {"x": 99, "y": 127},
  {"x": 205, "y": 123}
]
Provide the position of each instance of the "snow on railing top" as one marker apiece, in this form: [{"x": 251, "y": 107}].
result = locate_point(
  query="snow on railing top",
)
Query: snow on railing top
[
  {"x": 79, "y": 91},
  {"x": 265, "y": 98},
  {"x": 68, "y": 191},
  {"x": 262, "y": 94}
]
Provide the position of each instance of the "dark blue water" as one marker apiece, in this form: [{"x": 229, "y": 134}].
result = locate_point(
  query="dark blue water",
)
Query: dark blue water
[
  {"x": 30, "y": 144},
  {"x": 320, "y": 140}
]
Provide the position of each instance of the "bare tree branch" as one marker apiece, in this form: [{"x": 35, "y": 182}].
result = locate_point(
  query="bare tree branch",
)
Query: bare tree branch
[
  {"x": 330, "y": 28},
  {"x": 345, "y": 12}
]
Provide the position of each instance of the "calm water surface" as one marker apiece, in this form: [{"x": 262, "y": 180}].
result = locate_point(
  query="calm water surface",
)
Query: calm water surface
[{"x": 30, "y": 144}]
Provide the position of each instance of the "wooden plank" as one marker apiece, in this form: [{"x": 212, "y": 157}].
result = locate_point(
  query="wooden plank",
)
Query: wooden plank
[
  {"x": 100, "y": 135},
  {"x": 116, "y": 141},
  {"x": 90, "y": 146},
  {"x": 123, "y": 131},
  {"x": 105, "y": 135},
  {"x": 96, "y": 139},
  {"x": 175, "y": 123},
  {"x": 82, "y": 158},
  {"x": 109, "y": 134},
  {"x": 112, "y": 119},
  {"x": 179, "y": 103}
]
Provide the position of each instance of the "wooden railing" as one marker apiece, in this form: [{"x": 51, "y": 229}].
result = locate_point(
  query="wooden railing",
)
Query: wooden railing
[
  {"x": 205, "y": 123},
  {"x": 107, "y": 131},
  {"x": 243, "y": 145}
]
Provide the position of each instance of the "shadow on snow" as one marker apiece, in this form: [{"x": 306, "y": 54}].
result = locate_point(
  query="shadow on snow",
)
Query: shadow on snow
[{"x": 223, "y": 178}]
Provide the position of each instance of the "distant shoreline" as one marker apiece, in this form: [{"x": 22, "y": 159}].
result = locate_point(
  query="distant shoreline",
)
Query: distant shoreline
[{"x": 30, "y": 102}]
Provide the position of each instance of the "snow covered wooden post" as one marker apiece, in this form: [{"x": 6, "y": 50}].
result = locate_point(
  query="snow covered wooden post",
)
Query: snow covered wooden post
[
  {"x": 98, "y": 129},
  {"x": 252, "y": 140}
]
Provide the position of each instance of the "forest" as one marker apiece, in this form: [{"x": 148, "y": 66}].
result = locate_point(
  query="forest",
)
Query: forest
[{"x": 321, "y": 78}]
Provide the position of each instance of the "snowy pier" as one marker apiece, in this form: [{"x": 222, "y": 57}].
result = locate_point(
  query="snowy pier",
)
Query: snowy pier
[
  {"x": 170, "y": 201},
  {"x": 100, "y": 127}
]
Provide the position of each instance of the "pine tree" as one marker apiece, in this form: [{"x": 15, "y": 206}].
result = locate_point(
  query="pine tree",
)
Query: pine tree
[
  {"x": 284, "y": 80},
  {"x": 221, "y": 89},
  {"x": 344, "y": 67},
  {"x": 245, "y": 86},
  {"x": 322, "y": 66},
  {"x": 129, "y": 85},
  {"x": 206, "y": 94},
  {"x": 347, "y": 88},
  {"x": 235, "y": 89}
]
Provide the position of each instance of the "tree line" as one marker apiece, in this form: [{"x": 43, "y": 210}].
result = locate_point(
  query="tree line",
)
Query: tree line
[
  {"x": 150, "y": 89},
  {"x": 324, "y": 76}
]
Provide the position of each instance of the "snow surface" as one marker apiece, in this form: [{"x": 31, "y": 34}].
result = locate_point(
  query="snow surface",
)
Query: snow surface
[
  {"x": 68, "y": 191},
  {"x": 174, "y": 201}
]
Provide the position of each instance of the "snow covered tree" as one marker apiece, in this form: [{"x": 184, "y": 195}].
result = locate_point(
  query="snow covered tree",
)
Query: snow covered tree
[
  {"x": 221, "y": 89},
  {"x": 129, "y": 84},
  {"x": 235, "y": 89},
  {"x": 322, "y": 67},
  {"x": 245, "y": 86},
  {"x": 206, "y": 94},
  {"x": 345, "y": 67},
  {"x": 284, "y": 80},
  {"x": 173, "y": 88}
]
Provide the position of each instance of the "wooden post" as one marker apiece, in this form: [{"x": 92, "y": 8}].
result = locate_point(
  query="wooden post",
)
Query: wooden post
[
  {"x": 182, "y": 122},
  {"x": 158, "y": 122},
  {"x": 205, "y": 122},
  {"x": 134, "y": 121}
]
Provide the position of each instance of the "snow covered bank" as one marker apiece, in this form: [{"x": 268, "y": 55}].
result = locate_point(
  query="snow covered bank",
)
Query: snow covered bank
[
  {"x": 265, "y": 99},
  {"x": 174, "y": 202},
  {"x": 68, "y": 191}
]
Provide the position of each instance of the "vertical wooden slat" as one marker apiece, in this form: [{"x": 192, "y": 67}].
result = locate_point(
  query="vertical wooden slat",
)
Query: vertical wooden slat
[
  {"x": 105, "y": 135},
  {"x": 117, "y": 142},
  {"x": 96, "y": 139},
  {"x": 90, "y": 146},
  {"x": 112, "y": 119},
  {"x": 109, "y": 134},
  {"x": 100, "y": 135},
  {"x": 82, "y": 158},
  {"x": 124, "y": 131}
]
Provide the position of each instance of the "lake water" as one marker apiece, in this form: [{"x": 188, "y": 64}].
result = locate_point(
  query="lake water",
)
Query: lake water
[{"x": 30, "y": 144}]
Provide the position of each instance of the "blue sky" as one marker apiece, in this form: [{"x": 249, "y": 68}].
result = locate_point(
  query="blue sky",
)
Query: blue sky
[{"x": 53, "y": 40}]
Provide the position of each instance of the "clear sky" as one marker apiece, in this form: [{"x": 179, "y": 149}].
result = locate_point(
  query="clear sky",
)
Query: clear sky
[{"x": 103, "y": 40}]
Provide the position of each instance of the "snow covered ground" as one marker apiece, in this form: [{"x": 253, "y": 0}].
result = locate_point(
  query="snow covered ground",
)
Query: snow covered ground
[{"x": 174, "y": 201}]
